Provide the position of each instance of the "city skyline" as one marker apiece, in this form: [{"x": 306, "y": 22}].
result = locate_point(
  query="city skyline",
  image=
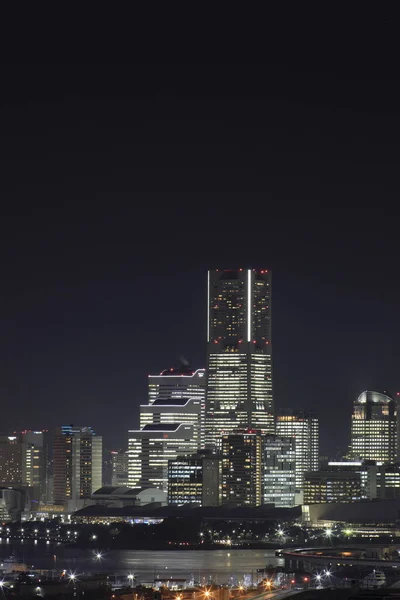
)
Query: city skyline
[{"x": 117, "y": 205}]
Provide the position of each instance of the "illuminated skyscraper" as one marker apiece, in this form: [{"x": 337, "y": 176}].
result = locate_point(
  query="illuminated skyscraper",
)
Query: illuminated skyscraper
[
  {"x": 77, "y": 465},
  {"x": 279, "y": 470},
  {"x": 150, "y": 449},
  {"x": 374, "y": 427},
  {"x": 241, "y": 473},
  {"x": 239, "y": 357},
  {"x": 303, "y": 427}
]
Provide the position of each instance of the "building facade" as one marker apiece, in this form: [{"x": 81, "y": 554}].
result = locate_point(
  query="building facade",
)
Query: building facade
[
  {"x": 188, "y": 411},
  {"x": 181, "y": 382},
  {"x": 77, "y": 465},
  {"x": 119, "y": 467},
  {"x": 194, "y": 480},
  {"x": 332, "y": 486},
  {"x": 303, "y": 427},
  {"x": 374, "y": 427},
  {"x": 279, "y": 470},
  {"x": 368, "y": 471},
  {"x": 241, "y": 473},
  {"x": 151, "y": 447},
  {"x": 239, "y": 353}
]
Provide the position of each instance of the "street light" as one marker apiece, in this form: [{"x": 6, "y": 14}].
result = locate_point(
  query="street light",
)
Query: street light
[
  {"x": 131, "y": 577},
  {"x": 99, "y": 555}
]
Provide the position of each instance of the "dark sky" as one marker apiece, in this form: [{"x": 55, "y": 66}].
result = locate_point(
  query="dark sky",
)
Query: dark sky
[{"x": 121, "y": 185}]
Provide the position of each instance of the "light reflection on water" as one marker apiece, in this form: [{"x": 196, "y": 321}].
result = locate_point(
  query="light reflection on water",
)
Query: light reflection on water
[{"x": 220, "y": 565}]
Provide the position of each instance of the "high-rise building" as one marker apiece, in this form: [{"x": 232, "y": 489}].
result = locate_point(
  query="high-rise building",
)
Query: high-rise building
[
  {"x": 241, "y": 473},
  {"x": 77, "y": 465},
  {"x": 194, "y": 480},
  {"x": 119, "y": 468},
  {"x": 176, "y": 410},
  {"x": 239, "y": 354},
  {"x": 12, "y": 463},
  {"x": 23, "y": 459},
  {"x": 150, "y": 449},
  {"x": 279, "y": 470},
  {"x": 374, "y": 427},
  {"x": 180, "y": 382},
  {"x": 304, "y": 428}
]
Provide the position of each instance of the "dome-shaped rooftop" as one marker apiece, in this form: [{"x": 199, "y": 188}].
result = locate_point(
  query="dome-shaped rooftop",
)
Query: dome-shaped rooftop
[{"x": 375, "y": 397}]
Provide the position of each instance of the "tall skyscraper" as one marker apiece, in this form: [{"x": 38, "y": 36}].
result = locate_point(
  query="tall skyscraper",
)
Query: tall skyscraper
[
  {"x": 150, "y": 449},
  {"x": 180, "y": 382},
  {"x": 241, "y": 473},
  {"x": 239, "y": 355},
  {"x": 279, "y": 470},
  {"x": 374, "y": 427},
  {"x": 304, "y": 428},
  {"x": 77, "y": 465}
]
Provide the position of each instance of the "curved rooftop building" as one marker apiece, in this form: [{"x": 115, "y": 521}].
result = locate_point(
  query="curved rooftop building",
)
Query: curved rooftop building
[{"x": 374, "y": 427}]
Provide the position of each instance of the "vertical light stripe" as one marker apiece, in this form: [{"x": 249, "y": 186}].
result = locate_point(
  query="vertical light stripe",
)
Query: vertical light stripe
[
  {"x": 208, "y": 306},
  {"x": 248, "y": 305}
]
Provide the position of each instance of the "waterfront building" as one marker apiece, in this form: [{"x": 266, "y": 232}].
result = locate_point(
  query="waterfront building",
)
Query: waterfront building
[
  {"x": 368, "y": 471},
  {"x": 332, "y": 486},
  {"x": 176, "y": 410},
  {"x": 119, "y": 468},
  {"x": 303, "y": 427},
  {"x": 241, "y": 473},
  {"x": 279, "y": 470},
  {"x": 179, "y": 382},
  {"x": 23, "y": 462},
  {"x": 194, "y": 480},
  {"x": 374, "y": 427},
  {"x": 239, "y": 353},
  {"x": 77, "y": 465},
  {"x": 151, "y": 447}
]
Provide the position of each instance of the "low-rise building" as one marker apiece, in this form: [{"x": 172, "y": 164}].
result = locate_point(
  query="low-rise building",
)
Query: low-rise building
[{"x": 331, "y": 486}]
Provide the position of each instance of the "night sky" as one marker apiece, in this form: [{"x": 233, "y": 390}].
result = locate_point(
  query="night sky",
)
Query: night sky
[{"x": 122, "y": 185}]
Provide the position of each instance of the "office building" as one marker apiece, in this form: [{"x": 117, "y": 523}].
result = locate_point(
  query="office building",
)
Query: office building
[
  {"x": 388, "y": 481},
  {"x": 374, "y": 427},
  {"x": 23, "y": 461},
  {"x": 304, "y": 428},
  {"x": 37, "y": 460},
  {"x": 11, "y": 460},
  {"x": 151, "y": 447},
  {"x": 194, "y": 480},
  {"x": 119, "y": 468},
  {"x": 279, "y": 471},
  {"x": 189, "y": 411},
  {"x": 368, "y": 471},
  {"x": 180, "y": 382},
  {"x": 241, "y": 473},
  {"x": 332, "y": 486},
  {"x": 239, "y": 353},
  {"x": 77, "y": 465}
]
